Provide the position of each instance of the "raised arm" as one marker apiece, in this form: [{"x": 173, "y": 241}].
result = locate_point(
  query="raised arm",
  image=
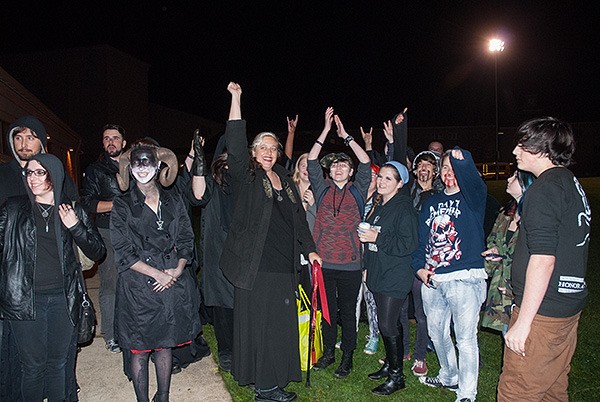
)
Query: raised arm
[
  {"x": 198, "y": 167},
  {"x": 289, "y": 141},
  {"x": 367, "y": 138},
  {"x": 360, "y": 153},
  {"x": 236, "y": 142},
  {"x": 235, "y": 111},
  {"x": 400, "y": 137},
  {"x": 316, "y": 148}
]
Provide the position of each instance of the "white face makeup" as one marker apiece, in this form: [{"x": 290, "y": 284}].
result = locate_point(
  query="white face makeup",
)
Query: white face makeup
[
  {"x": 142, "y": 173},
  {"x": 144, "y": 165}
]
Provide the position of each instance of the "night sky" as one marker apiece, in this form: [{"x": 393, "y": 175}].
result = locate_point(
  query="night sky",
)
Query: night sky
[{"x": 368, "y": 61}]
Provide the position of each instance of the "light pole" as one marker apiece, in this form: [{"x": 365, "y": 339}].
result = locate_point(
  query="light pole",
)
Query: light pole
[{"x": 496, "y": 46}]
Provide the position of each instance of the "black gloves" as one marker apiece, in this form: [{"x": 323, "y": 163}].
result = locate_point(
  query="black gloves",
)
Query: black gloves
[{"x": 199, "y": 167}]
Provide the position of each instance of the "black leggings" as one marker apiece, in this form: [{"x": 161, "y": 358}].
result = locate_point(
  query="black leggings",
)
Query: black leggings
[
  {"x": 388, "y": 311},
  {"x": 163, "y": 363}
]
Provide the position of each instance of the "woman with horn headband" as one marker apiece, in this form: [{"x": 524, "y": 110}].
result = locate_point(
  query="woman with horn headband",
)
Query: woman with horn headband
[
  {"x": 157, "y": 299},
  {"x": 39, "y": 276}
]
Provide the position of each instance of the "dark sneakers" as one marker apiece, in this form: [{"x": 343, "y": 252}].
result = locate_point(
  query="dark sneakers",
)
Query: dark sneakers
[
  {"x": 326, "y": 360},
  {"x": 277, "y": 395},
  {"x": 345, "y": 366},
  {"x": 436, "y": 383}
]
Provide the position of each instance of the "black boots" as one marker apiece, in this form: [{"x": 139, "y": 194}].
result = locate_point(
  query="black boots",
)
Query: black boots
[
  {"x": 326, "y": 360},
  {"x": 381, "y": 373},
  {"x": 276, "y": 395},
  {"x": 395, "y": 378},
  {"x": 345, "y": 366}
]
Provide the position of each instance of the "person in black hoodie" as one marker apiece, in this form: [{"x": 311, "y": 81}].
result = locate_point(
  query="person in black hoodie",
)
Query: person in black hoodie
[
  {"x": 39, "y": 292},
  {"x": 26, "y": 138},
  {"x": 389, "y": 244}
]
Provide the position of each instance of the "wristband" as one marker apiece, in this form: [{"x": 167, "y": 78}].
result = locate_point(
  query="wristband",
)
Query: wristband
[
  {"x": 319, "y": 142},
  {"x": 190, "y": 156},
  {"x": 348, "y": 140}
]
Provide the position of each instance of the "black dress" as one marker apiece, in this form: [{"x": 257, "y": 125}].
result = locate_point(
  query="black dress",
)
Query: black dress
[
  {"x": 145, "y": 319},
  {"x": 265, "y": 344}
]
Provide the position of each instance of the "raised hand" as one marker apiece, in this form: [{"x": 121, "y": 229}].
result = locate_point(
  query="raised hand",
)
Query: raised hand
[
  {"x": 199, "y": 167},
  {"x": 341, "y": 131},
  {"x": 235, "y": 89},
  {"x": 292, "y": 123},
  {"x": 400, "y": 117},
  {"x": 367, "y": 137},
  {"x": 457, "y": 154},
  {"x": 388, "y": 131},
  {"x": 328, "y": 119}
]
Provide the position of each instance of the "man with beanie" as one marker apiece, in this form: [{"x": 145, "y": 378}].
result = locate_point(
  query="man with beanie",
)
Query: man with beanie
[{"x": 99, "y": 188}]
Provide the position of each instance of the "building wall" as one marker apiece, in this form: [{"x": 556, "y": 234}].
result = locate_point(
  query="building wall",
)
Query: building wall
[
  {"x": 16, "y": 101},
  {"x": 88, "y": 88}
]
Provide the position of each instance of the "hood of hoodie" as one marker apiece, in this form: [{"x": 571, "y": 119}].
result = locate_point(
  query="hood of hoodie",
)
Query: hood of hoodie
[
  {"x": 57, "y": 174},
  {"x": 31, "y": 123}
]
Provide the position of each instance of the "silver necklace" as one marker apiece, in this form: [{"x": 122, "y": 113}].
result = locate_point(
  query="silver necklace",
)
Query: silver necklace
[
  {"x": 159, "y": 222},
  {"x": 45, "y": 212},
  {"x": 278, "y": 192}
]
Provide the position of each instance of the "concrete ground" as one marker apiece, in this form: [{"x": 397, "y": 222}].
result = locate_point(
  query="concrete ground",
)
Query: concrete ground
[{"x": 100, "y": 373}]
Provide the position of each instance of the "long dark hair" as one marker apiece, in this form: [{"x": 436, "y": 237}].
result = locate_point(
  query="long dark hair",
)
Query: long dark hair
[
  {"x": 219, "y": 170},
  {"x": 525, "y": 180}
]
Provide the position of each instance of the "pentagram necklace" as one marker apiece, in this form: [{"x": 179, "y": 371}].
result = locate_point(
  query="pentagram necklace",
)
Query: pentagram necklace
[
  {"x": 159, "y": 222},
  {"x": 278, "y": 192},
  {"x": 45, "y": 212}
]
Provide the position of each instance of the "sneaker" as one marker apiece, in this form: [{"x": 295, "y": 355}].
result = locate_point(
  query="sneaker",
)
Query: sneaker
[
  {"x": 112, "y": 346},
  {"x": 406, "y": 357},
  {"x": 436, "y": 383},
  {"x": 419, "y": 368},
  {"x": 371, "y": 346},
  {"x": 338, "y": 345},
  {"x": 466, "y": 400}
]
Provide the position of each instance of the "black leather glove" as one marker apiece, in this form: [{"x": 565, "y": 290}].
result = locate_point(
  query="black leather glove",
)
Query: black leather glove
[{"x": 199, "y": 167}]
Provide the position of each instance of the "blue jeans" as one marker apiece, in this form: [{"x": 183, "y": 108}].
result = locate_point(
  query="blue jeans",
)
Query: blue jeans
[
  {"x": 460, "y": 301},
  {"x": 43, "y": 345}
]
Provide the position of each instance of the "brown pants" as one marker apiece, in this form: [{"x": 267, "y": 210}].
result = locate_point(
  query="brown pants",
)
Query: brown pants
[{"x": 540, "y": 375}]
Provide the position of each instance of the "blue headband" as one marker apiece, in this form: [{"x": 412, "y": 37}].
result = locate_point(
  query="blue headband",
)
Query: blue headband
[{"x": 402, "y": 170}]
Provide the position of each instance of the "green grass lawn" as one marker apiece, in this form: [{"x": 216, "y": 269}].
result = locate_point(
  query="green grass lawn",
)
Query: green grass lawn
[{"x": 584, "y": 382}]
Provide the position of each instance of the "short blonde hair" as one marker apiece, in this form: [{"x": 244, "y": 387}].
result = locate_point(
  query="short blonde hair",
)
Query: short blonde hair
[{"x": 261, "y": 136}]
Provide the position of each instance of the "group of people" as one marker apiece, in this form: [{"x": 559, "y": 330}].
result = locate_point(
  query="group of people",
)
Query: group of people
[{"x": 391, "y": 227}]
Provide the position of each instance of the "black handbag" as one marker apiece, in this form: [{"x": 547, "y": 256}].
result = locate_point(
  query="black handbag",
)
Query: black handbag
[{"x": 87, "y": 316}]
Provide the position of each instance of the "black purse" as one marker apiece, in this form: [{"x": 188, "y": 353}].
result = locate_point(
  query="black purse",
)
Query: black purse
[{"x": 87, "y": 315}]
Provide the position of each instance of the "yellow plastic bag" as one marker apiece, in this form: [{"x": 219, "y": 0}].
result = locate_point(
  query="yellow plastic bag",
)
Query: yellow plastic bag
[{"x": 304, "y": 330}]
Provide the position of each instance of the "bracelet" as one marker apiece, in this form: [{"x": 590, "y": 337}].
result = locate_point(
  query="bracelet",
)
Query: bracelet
[
  {"x": 348, "y": 140},
  {"x": 319, "y": 142},
  {"x": 190, "y": 156}
]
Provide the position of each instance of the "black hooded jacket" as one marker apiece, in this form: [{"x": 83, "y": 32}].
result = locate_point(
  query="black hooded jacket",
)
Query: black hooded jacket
[
  {"x": 18, "y": 245},
  {"x": 11, "y": 172}
]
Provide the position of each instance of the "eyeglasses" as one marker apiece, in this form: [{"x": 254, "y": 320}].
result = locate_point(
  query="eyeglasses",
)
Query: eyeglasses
[{"x": 36, "y": 172}]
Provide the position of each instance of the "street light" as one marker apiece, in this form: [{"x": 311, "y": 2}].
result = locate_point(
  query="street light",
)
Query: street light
[{"x": 496, "y": 46}]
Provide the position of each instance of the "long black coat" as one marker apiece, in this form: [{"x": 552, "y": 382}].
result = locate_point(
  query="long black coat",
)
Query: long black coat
[
  {"x": 245, "y": 242},
  {"x": 145, "y": 319}
]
